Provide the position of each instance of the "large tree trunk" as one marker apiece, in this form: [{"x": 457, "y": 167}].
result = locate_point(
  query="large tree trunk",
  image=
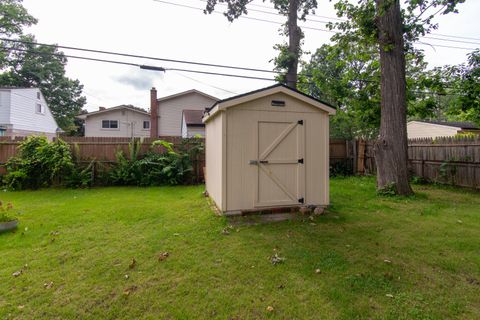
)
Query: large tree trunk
[
  {"x": 391, "y": 147},
  {"x": 294, "y": 37}
]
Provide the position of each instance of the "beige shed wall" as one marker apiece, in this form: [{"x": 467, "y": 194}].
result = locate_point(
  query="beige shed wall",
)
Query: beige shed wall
[
  {"x": 240, "y": 148},
  {"x": 214, "y": 159},
  {"x": 429, "y": 130},
  {"x": 93, "y": 124}
]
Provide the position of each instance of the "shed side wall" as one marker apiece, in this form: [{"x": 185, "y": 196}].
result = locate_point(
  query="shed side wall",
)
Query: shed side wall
[{"x": 213, "y": 157}]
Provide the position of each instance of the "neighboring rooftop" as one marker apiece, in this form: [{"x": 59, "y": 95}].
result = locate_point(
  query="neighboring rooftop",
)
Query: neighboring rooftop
[
  {"x": 123, "y": 106},
  {"x": 193, "y": 118},
  {"x": 457, "y": 124}
]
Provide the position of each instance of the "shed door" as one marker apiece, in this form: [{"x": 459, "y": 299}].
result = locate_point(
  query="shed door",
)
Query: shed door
[{"x": 280, "y": 162}]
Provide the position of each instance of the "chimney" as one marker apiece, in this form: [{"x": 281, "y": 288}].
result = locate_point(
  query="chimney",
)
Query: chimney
[
  {"x": 101, "y": 108},
  {"x": 153, "y": 113}
]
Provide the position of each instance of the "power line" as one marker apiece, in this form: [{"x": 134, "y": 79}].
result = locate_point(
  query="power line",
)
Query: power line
[
  {"x": 243, "y": 17},
  {"x": 204, "y": 83},
  {"x": 319, "y": 29},
  {"x": 141, "y": 56},
  {"x": 142, "y": 66}
]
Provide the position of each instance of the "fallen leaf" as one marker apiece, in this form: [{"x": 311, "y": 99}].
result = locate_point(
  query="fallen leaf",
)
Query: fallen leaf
[
  {"x": 225, "y": 231},
  {"x": 20, "y": 307},
  {"x": 132, "y": 264},
  {"x": 459, "y": 221},
  {"x": 17, "y": 273},
  {"x": 48, "y": 285},
  {"x": 129, "y": 290},
  {"x": 387, "y": 261},
  {"x": 389, "y": 295},
  {"x": 276, "y": 259},
  {"x": 270, "y": 309},
  {"x": 163, "y": 256},
  {"x": 127, "y": 276},
  {"x": 318, "y": 271}
]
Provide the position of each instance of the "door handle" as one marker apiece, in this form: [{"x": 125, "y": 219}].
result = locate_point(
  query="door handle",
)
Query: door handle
[
  {"x": 253, "y": 162},
  {"x": 263, "y": 161}
]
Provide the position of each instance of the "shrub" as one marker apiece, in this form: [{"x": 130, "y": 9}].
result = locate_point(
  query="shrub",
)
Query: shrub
[{"x": 40, "y": 163}]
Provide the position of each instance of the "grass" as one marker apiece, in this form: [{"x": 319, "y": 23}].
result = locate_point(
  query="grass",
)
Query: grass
[{"x": 379, "y": 257}]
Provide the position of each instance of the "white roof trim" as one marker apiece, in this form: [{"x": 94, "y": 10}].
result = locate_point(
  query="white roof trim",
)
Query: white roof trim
[
  {"x": 185, "y": 93},
  {"x": 86, "y": 115},
  {"x": 220, "y": 106}
]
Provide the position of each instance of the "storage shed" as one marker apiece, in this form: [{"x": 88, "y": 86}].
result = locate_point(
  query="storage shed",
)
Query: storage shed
[{"x": 267, "y": 149}]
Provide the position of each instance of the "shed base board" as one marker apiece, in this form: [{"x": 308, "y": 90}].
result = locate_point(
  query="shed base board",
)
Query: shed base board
[{"x": 306, "y": 209}]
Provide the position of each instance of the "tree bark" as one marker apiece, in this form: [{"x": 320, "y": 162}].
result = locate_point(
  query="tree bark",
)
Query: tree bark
[
  {"x": 294, "y": 37},
  {"x": 391, "y": 147}
]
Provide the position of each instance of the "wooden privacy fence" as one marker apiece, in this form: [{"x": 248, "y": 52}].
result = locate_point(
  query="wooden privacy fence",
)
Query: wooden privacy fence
[
  {"x": 447, "y": 160},
  {"x": 104, "y": 149}
]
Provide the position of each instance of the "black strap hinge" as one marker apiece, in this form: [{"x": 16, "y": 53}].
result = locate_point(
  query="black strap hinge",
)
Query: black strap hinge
[
  {"x": 300, "y": 161},
  {"x": 300, "y": 122},
  {"x": 301, "y": 200}
]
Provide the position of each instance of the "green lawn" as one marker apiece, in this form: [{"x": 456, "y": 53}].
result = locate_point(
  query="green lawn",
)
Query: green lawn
[{"x": 379, "y": 258}]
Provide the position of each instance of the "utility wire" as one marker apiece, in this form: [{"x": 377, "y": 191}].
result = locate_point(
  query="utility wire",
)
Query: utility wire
[
  {"x": 142, "y": 66},
  {"x": 140, "y": 56},
  {"x": 319, "y": 29}
]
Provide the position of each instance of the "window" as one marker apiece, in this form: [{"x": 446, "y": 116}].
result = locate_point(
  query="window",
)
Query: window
[
  {"x": 2, "y": 132},
  {"x": 38, "y": 95},
  {"x": 39, "y": 108},
  {"x": 146, "y": 124},
  {"x": 109, "y": 124}
]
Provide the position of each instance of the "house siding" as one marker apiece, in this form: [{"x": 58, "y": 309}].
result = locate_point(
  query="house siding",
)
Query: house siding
[
  {"x": 429, "y": 130},
  {"x": 125, "y": 117},
  {"x": 20, "y": 115},
  {"x": 4, "y": 107},
  {"x": 170, "y": 111}
]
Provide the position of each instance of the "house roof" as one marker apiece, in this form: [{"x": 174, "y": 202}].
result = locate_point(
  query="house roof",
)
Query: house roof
[
  {"x": 186, "y": 92},
  {"x": 193, "y": 118},
  {"x": 457, "y": 124},
  {"x": 123, "y": 106},
  {"x": 279, "y": 87},
  {"x": 16, "y": 88}
]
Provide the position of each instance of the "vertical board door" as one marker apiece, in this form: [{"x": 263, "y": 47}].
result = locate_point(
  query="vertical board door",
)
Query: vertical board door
[{"x": 280, "y": 163}]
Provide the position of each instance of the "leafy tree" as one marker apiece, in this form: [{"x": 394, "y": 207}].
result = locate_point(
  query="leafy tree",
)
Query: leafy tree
[
  {"x": 28, "y": 64},
  {"x": 289, "y": 53},
  {"x": 392, "y": 30}
]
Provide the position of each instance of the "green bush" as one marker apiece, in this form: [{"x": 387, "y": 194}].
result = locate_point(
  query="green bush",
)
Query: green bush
[
  {"x": 40, "y": 163},
  {"x": 4, "y": 216},
  {"x": 168, "y": 168}
]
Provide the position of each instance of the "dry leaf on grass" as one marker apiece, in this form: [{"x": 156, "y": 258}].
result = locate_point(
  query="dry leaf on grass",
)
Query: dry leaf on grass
[
  {"x": 162, "y": 256},
  {"x": 270, "y": 309},
  {"x": 276, "y": 259},
  {"x": 48, "y": 285},
  {"x": 17, "y": 273},
  {"x": 132, "y": 264},
  {"x": 129, "y": 290}
]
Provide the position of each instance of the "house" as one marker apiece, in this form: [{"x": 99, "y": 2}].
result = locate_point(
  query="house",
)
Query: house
[
  {"x": 192, "y": 124},
  {"x": 166, "y": 113},
  {"x": 268, "y": 150},
  {"x": 24, "y": 112},
  {"x": 121, "y": 121},
  {"x": 433, "y": 129}
]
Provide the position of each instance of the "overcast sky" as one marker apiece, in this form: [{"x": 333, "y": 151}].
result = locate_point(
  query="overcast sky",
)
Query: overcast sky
[{"x": 152, "y": 28}]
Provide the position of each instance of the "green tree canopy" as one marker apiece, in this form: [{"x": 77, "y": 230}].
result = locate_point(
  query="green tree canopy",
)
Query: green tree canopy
[{"x": 25, "y": 63}]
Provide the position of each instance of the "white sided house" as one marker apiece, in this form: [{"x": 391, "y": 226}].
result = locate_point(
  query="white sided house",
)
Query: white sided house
[
  {"x": 24, "y": 112},
  {"x": 124, "y": 121},
  {"x": 268, "y": 150},
  {"x": 167, "y": 113},
  {"x": 434, "y": 129}
]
